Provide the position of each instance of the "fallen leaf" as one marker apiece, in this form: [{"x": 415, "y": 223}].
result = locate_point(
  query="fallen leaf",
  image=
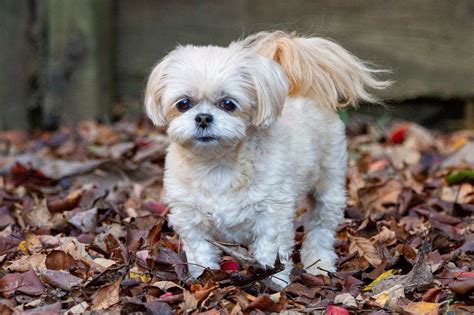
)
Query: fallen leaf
[
  {"x": 80, "y": 308},
  {"x": 379, "y": 278},
  {"x": 106, "y": 263},
  {"x": 106, "y": 296},
  {"x": 27, "y": 283},
  {"x": 60, "y": 279},
  {"x": 35, "y": 262},
  {"x": 419, "y": 308},
  {"x": 385, "y": 236},
  {"x": 364, "y": 248},
  {"x": 462, "y": 287},
  {"x": 264, "y": 303},
  {"x": 346, "y": 299},
  {"x": 39, "y": 216},
  {"x": 54, "y": 308},
  {"x": 462, "y": 157},
  {"x": 336, "y": 310},
  {"x": 85, "y": 221},
  {"x": 59, "y": 260},
  {"x": 390, "y": 296},
  {"x": 229, "y": 265}
]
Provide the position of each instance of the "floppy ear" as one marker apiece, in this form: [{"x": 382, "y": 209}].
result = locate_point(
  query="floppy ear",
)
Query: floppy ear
[
  {"x": 154, "y": 91},
  {"x": 271, "y": 89}
]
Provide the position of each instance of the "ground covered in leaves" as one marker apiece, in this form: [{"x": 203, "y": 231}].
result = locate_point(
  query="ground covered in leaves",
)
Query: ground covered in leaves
[{"x": 82, "y": 229}]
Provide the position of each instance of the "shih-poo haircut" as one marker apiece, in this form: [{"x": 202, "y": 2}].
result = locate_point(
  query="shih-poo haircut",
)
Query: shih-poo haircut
[{"x": 254, "y": 132}]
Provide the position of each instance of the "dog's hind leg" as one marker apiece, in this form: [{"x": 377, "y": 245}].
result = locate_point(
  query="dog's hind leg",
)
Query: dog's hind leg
[{"x": 326, "y": 212}]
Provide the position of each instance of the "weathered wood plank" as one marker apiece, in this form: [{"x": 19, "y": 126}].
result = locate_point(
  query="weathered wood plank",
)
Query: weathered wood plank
[
  {"x": 14, "y": 70},
  {"x": 79, "y": 66},
  {"x": 428, "y": 44}
]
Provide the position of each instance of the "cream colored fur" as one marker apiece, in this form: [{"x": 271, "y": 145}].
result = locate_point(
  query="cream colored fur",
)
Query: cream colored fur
[{"x": 283, "y": 144}]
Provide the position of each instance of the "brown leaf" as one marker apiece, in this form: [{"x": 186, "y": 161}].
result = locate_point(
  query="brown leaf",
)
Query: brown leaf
[
  {"x": 35, "y": 262},
  {"x": 108, "y": 276},
  {"x": 420, "y": 277},
  {"x": 59, "y": 260},
  {"x": 462, "y": 287},
  {"x": 365, "y": 249},
  {"x": 418, "y": 308},
  {"x": 39, "y": 216},
  {"x": 385, "y": 236},
  {"x": 60, "y": 279},
  {"x": 432, "y": 295},
  {"x": 5, "y": 309},
  {"x": 27, "y": 283},
  {"x": 266, "y": 304},
  {"x": 54, "y": 308},
  {"x": 201, "y": 292},
  {"x": 107, "y": 296},
  {"x": 155, "y": 232},
  {"x": 85, "y": 221},
  {"x": 9, "y": 244},
  {"x": 373, "y": 198},
  {"x": 33, "y": 243},
  {"x": 70, "y": 202}
]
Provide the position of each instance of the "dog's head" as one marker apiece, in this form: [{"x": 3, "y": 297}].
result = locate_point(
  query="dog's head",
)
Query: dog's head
[{"x": 212, "y": 96}]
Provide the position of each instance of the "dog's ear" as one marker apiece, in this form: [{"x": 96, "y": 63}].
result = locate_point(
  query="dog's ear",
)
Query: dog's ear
[
  {"x": 271, "y": 88},
  {"x": 154, "y": 91}
]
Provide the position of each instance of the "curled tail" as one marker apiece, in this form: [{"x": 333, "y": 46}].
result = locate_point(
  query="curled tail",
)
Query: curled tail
[{"x": 319, "y": 68}]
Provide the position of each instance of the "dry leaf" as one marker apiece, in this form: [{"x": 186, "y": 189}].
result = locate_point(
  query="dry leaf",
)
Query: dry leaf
[
  {"x": 346, "y": 299},
  {"x": 39, "y": 216},
  {"x": 106, "y": 296},
  {"x": 418, "y": 308},
  {"x": 80, "y": 308},
  {"x": 385, "y": 236},
  {"x": 35, "y": 262},
  {"x": 59, "y": 260},
  {"x": 27, "y": 283},
  {"x": 60, "y": 279},
  {"x": 364, "y": 248},
  {"x": 265, "y": 303},
  {"x": 33, "y": 243},
  {"x": 390, "y": 296},
  {"x": 85, "y": 221}
]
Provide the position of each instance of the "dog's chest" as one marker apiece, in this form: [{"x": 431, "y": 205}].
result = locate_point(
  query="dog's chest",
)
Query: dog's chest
[
  {"x": 229, "y": 209},
  {"x": 227, "y": 212}
]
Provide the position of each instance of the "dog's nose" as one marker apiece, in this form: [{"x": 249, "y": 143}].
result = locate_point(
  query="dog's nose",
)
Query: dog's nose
[{"x": 203, "y": 120}]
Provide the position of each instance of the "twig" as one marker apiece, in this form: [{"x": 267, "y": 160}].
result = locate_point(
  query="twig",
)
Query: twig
[{"x": 244, "y": 260}]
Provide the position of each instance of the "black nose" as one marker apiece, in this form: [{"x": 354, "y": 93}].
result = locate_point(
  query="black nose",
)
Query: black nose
[{"x": 203, "y": 120}]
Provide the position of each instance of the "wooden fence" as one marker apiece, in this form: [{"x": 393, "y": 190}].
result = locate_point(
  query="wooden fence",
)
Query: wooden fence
[{"x": 67, "y": 60}]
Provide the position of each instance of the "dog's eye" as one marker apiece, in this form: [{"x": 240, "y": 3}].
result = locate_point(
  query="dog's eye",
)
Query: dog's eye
[
  {"x": 228, "y": 105},
  {"x": 184, "y": 104}
]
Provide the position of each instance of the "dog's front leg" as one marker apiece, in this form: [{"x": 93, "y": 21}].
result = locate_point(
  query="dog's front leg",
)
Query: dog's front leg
[
  {"x": 200, "y": 254},
  {"x": 195, "y": 237},
  {"x": 274, "y": 234}
]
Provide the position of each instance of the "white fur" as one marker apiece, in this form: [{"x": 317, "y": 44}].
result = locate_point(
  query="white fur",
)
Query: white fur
[{"x": 244, "y": 187}]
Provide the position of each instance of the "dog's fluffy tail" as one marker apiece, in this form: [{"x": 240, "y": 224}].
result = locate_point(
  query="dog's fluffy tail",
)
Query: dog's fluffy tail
[{"x": 319, "y": 68}]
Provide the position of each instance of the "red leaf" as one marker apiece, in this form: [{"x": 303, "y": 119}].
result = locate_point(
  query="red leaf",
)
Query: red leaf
[
  {"x": 399, "y": 134},
  {"x": 336, "y": 310},
  {"x": 156, "y": 207},
  {"x": 230, "y": 265}
]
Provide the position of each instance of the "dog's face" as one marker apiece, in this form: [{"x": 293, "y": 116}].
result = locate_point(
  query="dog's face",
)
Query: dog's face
[{"x": 212, "y": 96}]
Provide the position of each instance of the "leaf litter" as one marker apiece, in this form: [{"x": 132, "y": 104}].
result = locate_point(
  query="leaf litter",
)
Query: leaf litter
[{"x": 83, "y": 229}]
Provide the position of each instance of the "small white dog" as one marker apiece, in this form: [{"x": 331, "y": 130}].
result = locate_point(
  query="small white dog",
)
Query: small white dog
[{"x": 254, "y": 132}]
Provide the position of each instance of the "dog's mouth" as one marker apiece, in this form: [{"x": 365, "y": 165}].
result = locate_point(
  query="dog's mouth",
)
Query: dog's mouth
[{"x": 205, "y": 139}]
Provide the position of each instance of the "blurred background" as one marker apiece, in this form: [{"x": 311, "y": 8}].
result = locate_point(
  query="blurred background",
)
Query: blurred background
[{"x": 63, "y": 61}]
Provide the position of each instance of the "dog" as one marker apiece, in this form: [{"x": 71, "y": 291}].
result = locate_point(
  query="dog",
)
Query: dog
[{"x": 254, "y": 132}]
